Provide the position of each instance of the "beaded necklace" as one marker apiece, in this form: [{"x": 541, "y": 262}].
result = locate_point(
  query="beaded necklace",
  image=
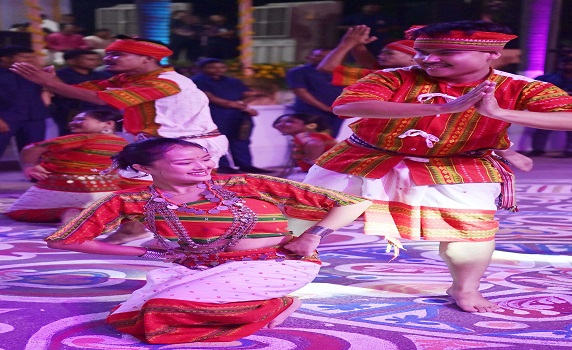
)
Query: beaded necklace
[{"x": 243, "y": 221}]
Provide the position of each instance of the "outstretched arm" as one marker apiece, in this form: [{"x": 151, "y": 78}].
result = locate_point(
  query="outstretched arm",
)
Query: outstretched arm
[
  {"x": 47, "y": 78},
  {"x": 98, "y": 247},
  {"x": 354, "y": 40},
  {"x": 336, "y": 218},
  {"x": 489, "y": 107}
]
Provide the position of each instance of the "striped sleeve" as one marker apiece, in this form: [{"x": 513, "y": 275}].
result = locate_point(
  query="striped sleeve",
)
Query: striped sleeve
[
  {"x": 136, "y": 94},
  {"x": 545, "y": 97},
  {"x": 300, "y": 200},
  {"x": 345, "y": 76}
]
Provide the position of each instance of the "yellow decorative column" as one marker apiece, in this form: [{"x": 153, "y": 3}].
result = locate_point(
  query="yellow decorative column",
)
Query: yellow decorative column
[
  {"x": 245, "y": 21},
  {"x": 33, "y": 11}
]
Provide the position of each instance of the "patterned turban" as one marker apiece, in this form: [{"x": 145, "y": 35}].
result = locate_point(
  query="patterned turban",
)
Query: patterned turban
[
  {"x": 458, "y": 39},
  {"x": 139, "y": 47}
]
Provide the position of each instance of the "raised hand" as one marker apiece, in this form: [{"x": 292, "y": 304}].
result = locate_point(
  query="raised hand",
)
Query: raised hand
[
  {"x": 33, "y": 73},
  {"x": 488, "y": 105},
  {"x": 358, "y": 35}
]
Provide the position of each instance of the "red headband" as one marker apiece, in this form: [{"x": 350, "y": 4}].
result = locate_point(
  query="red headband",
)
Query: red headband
[
  {"x": 458, "y": 39},
  {"x": 405, "y": 46},
  {"x": 144, "y": 48}
]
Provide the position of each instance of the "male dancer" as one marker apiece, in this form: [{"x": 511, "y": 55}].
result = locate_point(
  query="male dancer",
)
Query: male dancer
[{"x": 423, "y": 146}]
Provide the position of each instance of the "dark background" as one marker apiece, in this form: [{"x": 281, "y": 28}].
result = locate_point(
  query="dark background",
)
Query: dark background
[{"x": 406, "y": 12}]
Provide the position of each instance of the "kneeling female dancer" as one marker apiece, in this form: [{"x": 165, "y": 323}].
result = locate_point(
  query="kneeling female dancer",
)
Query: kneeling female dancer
[{"x": 234, "y": 259}]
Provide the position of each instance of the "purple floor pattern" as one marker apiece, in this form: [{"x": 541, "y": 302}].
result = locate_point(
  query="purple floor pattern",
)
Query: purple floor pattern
[{"x": 58, "y": 300}]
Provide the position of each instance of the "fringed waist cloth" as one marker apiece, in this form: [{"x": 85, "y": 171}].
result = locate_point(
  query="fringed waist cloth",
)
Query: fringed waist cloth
[
  {"x": 507, "y": 198},
  {"x": 223, "y": 303}
]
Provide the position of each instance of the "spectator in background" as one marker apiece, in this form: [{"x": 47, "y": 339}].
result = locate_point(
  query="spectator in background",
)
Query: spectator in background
[
  {"x": 563, "y": 79},
  {"x": 309, "y": 136},
  {"x": 101, "y": 38},
  {"x": 186, "y": 31},
  {"x": 49, "y": 26},
  {"x": 229, "y": 99},
  {"x": 221, "y": 38},
  {"x": 67, "y": 39},
  {"x": 23, "y": 113},
  {"x": 68, "y": 18},
  {"x": 314, "y": 90},
  {"x": 371, "y": 15},
  {"x": 80, "y": 67}
]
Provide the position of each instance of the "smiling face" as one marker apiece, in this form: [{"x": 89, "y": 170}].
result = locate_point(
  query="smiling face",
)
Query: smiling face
[
  {"x": 290, "y": 125},
  {"x": 84, "y": 123},
  {"x": 456, "y": 66},
  {"x": 180, "y": 165}
]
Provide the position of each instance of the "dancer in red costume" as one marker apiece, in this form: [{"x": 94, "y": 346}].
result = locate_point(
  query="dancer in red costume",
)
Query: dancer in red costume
[{"x": 235, "y": 261}]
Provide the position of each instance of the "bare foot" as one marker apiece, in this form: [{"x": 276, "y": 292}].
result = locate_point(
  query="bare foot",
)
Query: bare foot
[
  {"x": 127, "y": 232},
  {"x": 472, "y": 301},
  {"x": 285, "y": 314}
]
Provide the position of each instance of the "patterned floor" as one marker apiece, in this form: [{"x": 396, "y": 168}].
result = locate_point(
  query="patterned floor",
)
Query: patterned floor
[{"x": 52, "y": 299}]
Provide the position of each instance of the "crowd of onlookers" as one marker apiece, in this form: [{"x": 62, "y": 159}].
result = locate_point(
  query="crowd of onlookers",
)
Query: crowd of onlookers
[{"x": 191, "y": 37}]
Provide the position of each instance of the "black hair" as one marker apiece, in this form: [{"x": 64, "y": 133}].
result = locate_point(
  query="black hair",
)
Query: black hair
[
  {"x": 11, "y": 51},
  {"x": 206, "y": 61},
  {"x": 321, "y": 124},
  {"x": 469, "y": 27},
  {"x": 148, "y": 151},
  {"x": 104, "y": 115},
  {"x": 71, "y": 54}
]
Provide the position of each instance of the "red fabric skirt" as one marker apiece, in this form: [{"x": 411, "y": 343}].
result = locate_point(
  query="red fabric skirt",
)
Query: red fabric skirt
[{"x": 164, "y": 321}]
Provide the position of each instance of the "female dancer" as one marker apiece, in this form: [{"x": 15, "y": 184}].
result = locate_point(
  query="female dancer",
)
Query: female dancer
[
  {"x": 66, "y": 169},
  {"x": 235, "y": 261},
  {"x": 310, "y": 137}
]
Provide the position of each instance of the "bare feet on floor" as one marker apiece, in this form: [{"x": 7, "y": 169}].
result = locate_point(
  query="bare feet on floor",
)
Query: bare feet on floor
[
  {"x": 285, "y": 314},
  {"x": 472, "y": 301}
]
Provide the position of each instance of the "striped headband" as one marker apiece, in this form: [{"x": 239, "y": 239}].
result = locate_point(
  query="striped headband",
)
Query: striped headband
[{"x": 139, "y": 47}]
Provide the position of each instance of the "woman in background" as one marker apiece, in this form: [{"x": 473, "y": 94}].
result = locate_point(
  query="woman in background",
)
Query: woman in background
[
  {"x": 310, "y": 137},
  {"x": 66, "y": 169}
]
